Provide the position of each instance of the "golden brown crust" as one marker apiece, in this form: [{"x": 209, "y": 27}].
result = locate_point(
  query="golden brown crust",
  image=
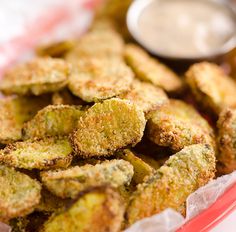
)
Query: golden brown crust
[
  {"x": 70, "y": 182},
  {"x": 47, "y": 153},
  {"x": 170, "y": 186},
  {"x": 50, "y": 203},
  {"x": 56, "y": 50},
  {"x": 141, "y": 168},
  {"x": 178, "y": 124},
  {"x": 19, "y": 194},
  {"x": 145, "y": 95},
  {"x": 30, "y": 223},
  {"x": 226, "y": 141},
  {"x": 38, "y": 76},
  {"x": 53, "y": 120},
  {"x": 211, "y": 87},
  {"x": 96, "y": 79},
  {"x": 110, "y": 8},
  {"x": 150, "y": 70},
  {"x": 65, "y": 97},
  {"x": 107, "y": 127},
  {"x": 115, "y": 11},
  {"x": 102, "y": 24},
  {"x": 14, "y": 111},
  {"x": 100, "y": 44},
  {"x": 99, "y": 209},
  {"x": 229, "y": 62}
]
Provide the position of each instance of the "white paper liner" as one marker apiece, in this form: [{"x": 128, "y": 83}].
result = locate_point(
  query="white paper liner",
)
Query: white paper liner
[
  {"x": 170, "y": 220},
  {"x": 166, "y": 221},
  {"x": 208, "y": 194}
]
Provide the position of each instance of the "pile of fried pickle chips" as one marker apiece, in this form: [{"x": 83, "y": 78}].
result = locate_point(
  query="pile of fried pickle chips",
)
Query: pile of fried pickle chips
[{"x": 96, "y": 134}]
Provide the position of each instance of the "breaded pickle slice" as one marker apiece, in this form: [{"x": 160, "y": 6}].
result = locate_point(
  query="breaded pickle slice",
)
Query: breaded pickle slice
[
  {"x": 98, "y": 209},
  {"x": 104, "y": 43},
  {"x": 115, "y": 10},
  {"x": 19, "y": 194},
  {"x": 98, "y": 79},
  {"x": 102, "y": 25},
  {"x": 147, "y": 148},
  {"x": 211, "y": 87},
  {"x": 141, "y": 168},
  {"x": 50, "y": 203},
  {"x": 150, "y": 70},
  {"x": 229, "y": 59},
  {"x": 40, "y": 154},
  {"x": 37, "y": 220},
  {"x": 65, "y": 97},
  {"x": 126, "y": 191},
  {"x": 19, "y": 224},
  {"x": 70, "y": 182},
  {"x": 226, "y": 141},
  {"x": 30, "y": 223},
  {"x": 107, "y": 127},
  {"x": 57, "y": 50},
  {"x": 147, "y": 158},
  {"x": 14, "y": 111},
  {"x": 178, "y": 124},
  {"x": 145, "y": 95},
  {"x": 38, "y": 76},
  {"x": 170, "y": 186},
  {"x": 53, "y": 120}
]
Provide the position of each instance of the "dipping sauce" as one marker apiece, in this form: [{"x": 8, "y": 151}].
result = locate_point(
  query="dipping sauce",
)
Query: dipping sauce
[{"x": 185, "y": 28}]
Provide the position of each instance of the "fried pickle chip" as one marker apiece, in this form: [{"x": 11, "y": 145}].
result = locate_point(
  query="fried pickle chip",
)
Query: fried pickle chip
[
  {"x": 211, "y": 87},
  {"x": 41, "y": 75},
  {"x": 102, "y": 25},
  {"x": 37, "y": 220},
  {"x": 141, "y": 168},
  {"x": 19, "y": 224},
  {"x": 53, "y": 120},
  {"x": 19, "y": 194},
  {"x": 230, "y": 62},
  {"x": 170, "y": 186},
  {"x": 50, "y": 203},
  {"x": 147, "y": 148},
  {"x": 98, "y": 79},
  {"x": 115, "y": 11},
  {"x": 70, "y": 182},
  {"x": 40, "y": 154},
  {"x": 56, "y": 50},
  {"x": 107, "y": 127},
  {"x": 177, "y": 125},
  {"x": 154, "y": 163},
  {"x": 30, "y": 223},
  {"x": 226, "y": 141},
  {"x": 145, "y": 95},
  {"x": 103, "y": 44},
  {"x": 64, "y": 97},
  {"x": 98, "y": 209},
  {"x": 14, "y": 111},
  {"x": 126, "y": 191},
  {"x": 150, "y": 70}
]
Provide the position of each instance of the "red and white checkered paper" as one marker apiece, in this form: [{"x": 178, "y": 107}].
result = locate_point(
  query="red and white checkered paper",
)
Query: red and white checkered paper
[{"x": 26, "y": 23}]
